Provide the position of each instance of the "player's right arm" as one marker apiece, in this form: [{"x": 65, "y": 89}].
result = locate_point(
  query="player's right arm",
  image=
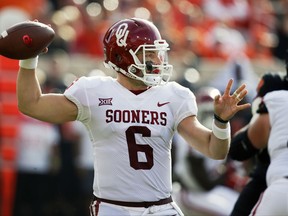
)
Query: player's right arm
[{"x": 54, "y": 108}]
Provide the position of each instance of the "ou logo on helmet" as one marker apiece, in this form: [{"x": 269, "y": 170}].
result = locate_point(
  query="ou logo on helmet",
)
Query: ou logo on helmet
[{"x": 121, "y": 35}]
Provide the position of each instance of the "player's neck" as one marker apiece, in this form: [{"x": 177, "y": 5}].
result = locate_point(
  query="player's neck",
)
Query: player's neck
[{"x": 131, "y": 84}]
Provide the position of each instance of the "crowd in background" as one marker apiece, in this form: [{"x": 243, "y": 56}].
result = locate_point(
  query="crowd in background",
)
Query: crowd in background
[
  {"x": 210, "y": 40},
  {"x": 195, "y": 29}
]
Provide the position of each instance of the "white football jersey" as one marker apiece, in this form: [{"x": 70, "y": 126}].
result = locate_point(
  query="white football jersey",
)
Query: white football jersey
[
  {"x": 277, "y": 105},
  {"x": 131, "y": 135}
]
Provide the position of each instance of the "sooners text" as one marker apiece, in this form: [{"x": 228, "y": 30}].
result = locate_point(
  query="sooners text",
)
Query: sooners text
[{"x": 136, "y": 116}]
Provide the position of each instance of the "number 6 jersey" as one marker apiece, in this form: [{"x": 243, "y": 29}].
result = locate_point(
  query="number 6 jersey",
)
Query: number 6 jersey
[{"x": 131, "y": 135}]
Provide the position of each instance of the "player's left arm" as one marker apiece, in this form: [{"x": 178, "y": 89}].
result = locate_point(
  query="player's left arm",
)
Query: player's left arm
[{"x": 204, "y": 139}]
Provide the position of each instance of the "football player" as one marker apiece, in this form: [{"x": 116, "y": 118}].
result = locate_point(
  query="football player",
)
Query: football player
[
  {"x": 252, "y": 141},
  {"x": 132, "y": 118}
]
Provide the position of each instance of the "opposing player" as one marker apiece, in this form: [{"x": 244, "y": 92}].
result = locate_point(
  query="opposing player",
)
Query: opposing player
[
  {"x": 266, "y": 131},
  {"x": 131, "y": 119},
  {"x": 242, "y": 149}
]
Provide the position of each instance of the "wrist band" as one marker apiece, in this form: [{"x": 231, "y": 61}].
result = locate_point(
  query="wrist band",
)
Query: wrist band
[
  {"x": 220, "y": 119},
  {"x": 29, "y": 63},
  {"x": 221, "y": 133}
]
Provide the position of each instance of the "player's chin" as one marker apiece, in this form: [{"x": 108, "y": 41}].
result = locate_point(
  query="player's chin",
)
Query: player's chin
[{"x": 139, "y": 83}]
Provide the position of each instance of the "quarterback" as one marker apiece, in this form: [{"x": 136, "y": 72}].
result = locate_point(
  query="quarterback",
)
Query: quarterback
[{"x": 132, "y": 118}]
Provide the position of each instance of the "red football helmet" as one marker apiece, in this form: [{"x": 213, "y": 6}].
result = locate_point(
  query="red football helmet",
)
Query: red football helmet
[{"x": 125, "y": 39}]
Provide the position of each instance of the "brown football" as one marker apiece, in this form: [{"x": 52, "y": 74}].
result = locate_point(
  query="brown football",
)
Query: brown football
[{"x": 25, "y": 40}]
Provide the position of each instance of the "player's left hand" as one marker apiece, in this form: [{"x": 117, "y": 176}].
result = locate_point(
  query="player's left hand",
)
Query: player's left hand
[{"x": 226, "y": 105}]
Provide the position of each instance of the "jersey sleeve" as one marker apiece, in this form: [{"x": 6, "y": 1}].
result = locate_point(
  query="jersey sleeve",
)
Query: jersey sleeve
[
  {"x": 185, "y": 104},
  {"x": 77, "y": 93}
]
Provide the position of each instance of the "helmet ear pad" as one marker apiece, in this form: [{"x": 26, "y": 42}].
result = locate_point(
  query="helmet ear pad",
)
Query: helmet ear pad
[
  {"x": 118, "y": 59},
  {"x": 124, "y": 62}
]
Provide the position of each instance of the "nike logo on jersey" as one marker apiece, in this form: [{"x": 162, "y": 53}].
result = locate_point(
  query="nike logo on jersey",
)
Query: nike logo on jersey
[{"x": 162, "y": 104}]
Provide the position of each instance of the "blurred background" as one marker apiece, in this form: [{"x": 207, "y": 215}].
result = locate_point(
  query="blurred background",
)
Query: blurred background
[{"x": 48, "y": 170}]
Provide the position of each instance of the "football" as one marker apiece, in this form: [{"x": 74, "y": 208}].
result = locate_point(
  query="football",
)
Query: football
[{"x": 25, "y": 40}]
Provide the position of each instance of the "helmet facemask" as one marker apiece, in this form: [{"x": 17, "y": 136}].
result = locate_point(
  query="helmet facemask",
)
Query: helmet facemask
[{"x": 149, "y": 72}]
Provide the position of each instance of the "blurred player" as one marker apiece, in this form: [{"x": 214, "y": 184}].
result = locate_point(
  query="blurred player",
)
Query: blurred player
[
  {"x": 37, "y": 156},
  {"x": 202, "y": 188},
  {"x": 131, "y": 119}
]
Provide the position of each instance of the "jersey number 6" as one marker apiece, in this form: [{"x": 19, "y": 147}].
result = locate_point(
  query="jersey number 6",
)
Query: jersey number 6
[{"x": 134, "y": 148}]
